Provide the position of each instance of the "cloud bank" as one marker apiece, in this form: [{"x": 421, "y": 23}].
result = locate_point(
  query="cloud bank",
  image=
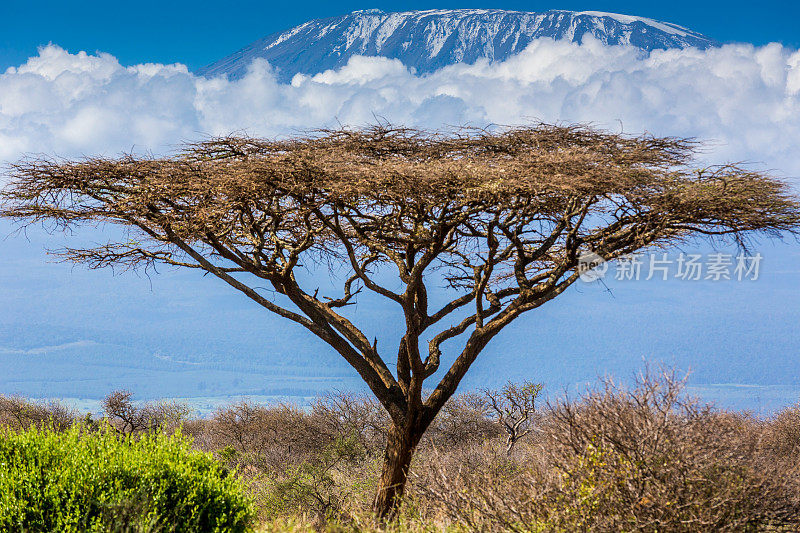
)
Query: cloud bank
[{"x": 744, "y": 99}]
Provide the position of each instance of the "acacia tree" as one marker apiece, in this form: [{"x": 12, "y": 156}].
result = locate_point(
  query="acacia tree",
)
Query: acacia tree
[{"x": 498, "y": 219}]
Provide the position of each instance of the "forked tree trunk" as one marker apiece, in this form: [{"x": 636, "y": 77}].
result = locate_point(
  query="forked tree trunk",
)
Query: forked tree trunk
[{"x": 401, "y": 443}]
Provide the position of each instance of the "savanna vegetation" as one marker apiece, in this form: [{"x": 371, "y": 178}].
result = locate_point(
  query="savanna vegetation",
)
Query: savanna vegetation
[
  {"x": 461, "y": 233},
  {"x": 641, "y": 457}
]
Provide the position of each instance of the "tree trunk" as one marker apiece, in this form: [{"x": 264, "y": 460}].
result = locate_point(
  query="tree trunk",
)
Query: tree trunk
[{"x": 401, "y": 443}]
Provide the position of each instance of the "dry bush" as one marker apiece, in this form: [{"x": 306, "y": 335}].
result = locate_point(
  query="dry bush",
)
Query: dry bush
[
  {"x": 18, "y": 413},
  {"x": 639, "y": 459},
  {"x": 265, "y": 438},
  {"x": 782, "y": 434},
  {"x": 464, "y": 421},
  {"x": 346, "y": 415},
  {"x": 655, "y": 460},
  {"x": 321, "y": 463},
  {"x": 129, "y": 419},
  {"x": 334, "y": 485}
]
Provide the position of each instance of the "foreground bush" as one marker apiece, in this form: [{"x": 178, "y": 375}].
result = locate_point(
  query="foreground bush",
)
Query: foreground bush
[{"x": 78, "y": 480}]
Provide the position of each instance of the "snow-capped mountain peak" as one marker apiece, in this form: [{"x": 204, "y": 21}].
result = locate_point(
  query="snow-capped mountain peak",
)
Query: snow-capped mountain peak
[{"x": 428, "y": 40}]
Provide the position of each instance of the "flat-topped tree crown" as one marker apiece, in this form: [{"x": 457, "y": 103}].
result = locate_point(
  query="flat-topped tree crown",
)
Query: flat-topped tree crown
[{"x": 502, "y": 216}]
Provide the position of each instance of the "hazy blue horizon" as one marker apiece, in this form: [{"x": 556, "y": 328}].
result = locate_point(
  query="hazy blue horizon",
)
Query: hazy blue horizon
[{"x": 74, "y": 333}]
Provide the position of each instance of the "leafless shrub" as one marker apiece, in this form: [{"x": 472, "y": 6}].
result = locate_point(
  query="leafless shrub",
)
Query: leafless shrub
[
  {"x": 336, "y": 484},
  {"x": 266, "y": 439},
  {"x": 18, "y": 413},
  {"x": 347, "y": 415},
  {"x": 320, "y": 463},
  {"x": 514, "y": 408},
  {"x": 463, "y": 421},
  {"x": 129, "y": 419},
  {"x": 641, "y": 459},
  {"x": 782, "y": 434}
]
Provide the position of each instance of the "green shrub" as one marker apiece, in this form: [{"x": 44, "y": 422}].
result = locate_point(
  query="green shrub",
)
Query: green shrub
[{"x": 81, "y": 480}]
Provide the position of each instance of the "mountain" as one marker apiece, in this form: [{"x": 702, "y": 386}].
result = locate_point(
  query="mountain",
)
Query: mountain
[{"x": 429, "y": 40}]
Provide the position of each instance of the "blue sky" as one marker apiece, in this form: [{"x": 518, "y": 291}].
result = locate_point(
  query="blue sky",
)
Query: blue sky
[{"x": 197, "y": 33}]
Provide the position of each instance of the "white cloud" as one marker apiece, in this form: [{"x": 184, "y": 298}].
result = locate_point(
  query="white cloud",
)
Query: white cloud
[{"x": 744, "y": 99}]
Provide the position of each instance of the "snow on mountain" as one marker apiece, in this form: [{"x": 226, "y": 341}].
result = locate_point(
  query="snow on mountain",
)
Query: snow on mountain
[{"x": 429, "y": 40}]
